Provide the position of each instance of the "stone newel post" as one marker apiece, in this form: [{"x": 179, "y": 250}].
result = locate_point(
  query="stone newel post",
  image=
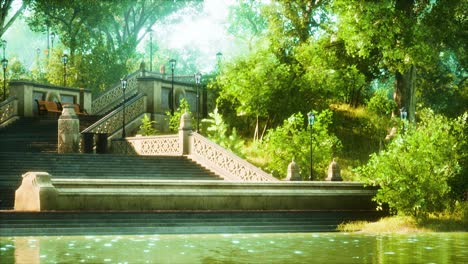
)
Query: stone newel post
[
  {"x": 334, "y": 172},
  {"x": 185, "y": 130},
  {"x": 293, "y": 172},
  {"x": 68, "y": 131}
]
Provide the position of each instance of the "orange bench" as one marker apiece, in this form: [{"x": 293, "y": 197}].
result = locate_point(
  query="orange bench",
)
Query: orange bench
[
  {"x": 78, "y": 110},
  {"x": 45, "y": 107}
]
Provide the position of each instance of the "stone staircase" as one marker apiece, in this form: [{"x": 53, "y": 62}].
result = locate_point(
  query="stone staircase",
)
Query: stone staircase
[
  {"x": 92, "y": 166},
  {"x": 35, "y": 134},
  {"x": 180, "y": 222}
]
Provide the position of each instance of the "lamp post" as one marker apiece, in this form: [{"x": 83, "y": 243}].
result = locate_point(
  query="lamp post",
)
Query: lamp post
[
  {"x": 311, "y": 119},
  {"x": 219, "y": 57},
  {"x": 52, "y": 37},
  {"x": 123, "y": 82},
  {"x": 64, "y": 61},
  {"x": 151, "y": 50},
  {"x": 197, "y": 82},
  {"x": 4, "y": 66},
  {"x": 403, "y": 116},
  {"x": 173, "y": 64}
]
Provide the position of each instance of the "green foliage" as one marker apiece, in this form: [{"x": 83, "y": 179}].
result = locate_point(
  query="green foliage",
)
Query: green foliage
[
  {"x": 174, "y": 120},
  {"x": 217, "y": 131},
  {"x": 292, "y": 141},
  {"x": 147, "y": 127},
  {"x": 415, "y": 172},
  {"x": 380, "y": 103}
]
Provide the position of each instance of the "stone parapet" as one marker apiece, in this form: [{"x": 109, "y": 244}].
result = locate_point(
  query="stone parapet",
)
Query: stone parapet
[{"x": 149, "y": 195}]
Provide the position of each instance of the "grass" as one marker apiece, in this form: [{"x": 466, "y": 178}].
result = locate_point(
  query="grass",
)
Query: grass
[{"x": 454, "y": 222}]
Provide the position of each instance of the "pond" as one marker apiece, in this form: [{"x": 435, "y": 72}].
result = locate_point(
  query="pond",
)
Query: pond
[{"x": 238, "y": 248}]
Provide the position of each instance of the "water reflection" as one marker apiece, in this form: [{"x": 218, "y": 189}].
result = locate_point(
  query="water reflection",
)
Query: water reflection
[{"x": 238, "y": 248}]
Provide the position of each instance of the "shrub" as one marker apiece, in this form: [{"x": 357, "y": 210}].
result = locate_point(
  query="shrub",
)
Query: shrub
[
  {"x": 380, "y": 103},
  {"x": 415, "y": 172},
  {"x": 218, "y": 132},
  {"x": 147, "y": 128}
]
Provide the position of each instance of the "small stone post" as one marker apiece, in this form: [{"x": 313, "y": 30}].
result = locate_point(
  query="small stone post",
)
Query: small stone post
[
  {"x": 334, "y": 172},
  {"x": 185, "y": 130},
  {"x": 293, "y": 172},
  {"x": 68, "y": 131}
]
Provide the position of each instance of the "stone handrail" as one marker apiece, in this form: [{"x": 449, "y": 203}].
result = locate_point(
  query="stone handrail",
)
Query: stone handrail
[
  {"x": 112, "y": 122},
  {"x": 8, "y": 109},
  {"x": 189, "y": 78},
  {"x": 163, "y": 145},
  {"x": 112, "y": 97},
  {"x": 224, "y": 162}
]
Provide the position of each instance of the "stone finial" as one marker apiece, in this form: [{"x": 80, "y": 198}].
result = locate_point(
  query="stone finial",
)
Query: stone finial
[
  {"x": 186, "y": 121},
  {"x": 162, "y": 69},
  {"x": 293, "y": 172},
  {"x": 334, "y": 172},
  {"x": 185, "y": 131}
]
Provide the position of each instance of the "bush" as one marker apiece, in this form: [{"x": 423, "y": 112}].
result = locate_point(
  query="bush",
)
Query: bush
[
  {"x": 174, "y": 120},
  {"x": 416, "y": 171},
  {"x": 218, "y": 132},
  {"x": 147, "y": 128},
  {"x": 380, "y": 103},
  {"x": 292, "y": 141}
]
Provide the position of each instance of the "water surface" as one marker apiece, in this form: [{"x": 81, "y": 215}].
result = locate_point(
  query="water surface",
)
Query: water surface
[{"x": 238, "y": 248}]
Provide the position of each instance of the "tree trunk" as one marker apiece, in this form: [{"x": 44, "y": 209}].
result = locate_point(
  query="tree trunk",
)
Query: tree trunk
[{"x": 405, "y": 92}]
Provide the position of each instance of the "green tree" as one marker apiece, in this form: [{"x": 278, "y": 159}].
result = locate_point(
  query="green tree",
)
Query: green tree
[
  {"x": 101, "y": 36},
  {"x": 407, "y": 35},
  {"x": 6, "y": 18},
  {"x": 416, "y": 171}
]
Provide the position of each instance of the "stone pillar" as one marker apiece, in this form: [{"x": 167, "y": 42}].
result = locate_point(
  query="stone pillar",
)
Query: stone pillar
[
  {"x": 334, "y": 172},
  {"x": 68, "y": 131},
  {"x": 185, "y": 130},
  {"x": 293, "y": 172}
]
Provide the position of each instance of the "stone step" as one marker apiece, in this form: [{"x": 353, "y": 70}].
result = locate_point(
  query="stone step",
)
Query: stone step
[
  {"x": 88, "y": 223},
  {"x": 93, "y": 166}
]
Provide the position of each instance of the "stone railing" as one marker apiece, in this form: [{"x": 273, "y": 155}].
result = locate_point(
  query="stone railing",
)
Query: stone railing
[
  {"x": 224, "y": 162},
  {"x": 166, "y": 145},
  {"x": 112, "y": 122},
  {"x": 8, "y": 110},
  {"x": 114, "y": 96},
  {"x": 190, "y": 78}
]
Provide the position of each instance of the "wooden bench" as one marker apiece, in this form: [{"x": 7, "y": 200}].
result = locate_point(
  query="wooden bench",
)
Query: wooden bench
[
  {"x": 78, "y": 109},
  {"x": 45, "y": 107}
]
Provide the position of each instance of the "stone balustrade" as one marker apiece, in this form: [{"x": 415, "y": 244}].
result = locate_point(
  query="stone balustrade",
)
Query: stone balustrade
[
  {"x": 114, "y": 96},
  {"x": 8, "y": 111},
  {"x": 112, "y": 122},
  {"x": 224, "y": 162}
]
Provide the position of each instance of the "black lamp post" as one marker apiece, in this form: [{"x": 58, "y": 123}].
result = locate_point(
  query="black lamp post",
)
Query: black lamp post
[
  {"x": 197, "y": 82},
  {"x": 173, "y": 64},
  {"x": 4, "y": 66},
  {"x": 219, "y": 57},
  {"x": 52, "y": 38},
  {"x": 151, "y": 50},
  {"x": 123, "y": 82},
  {"x": 403, "y": 116},
  {"x": 64, "y": 61},
  {"x": 311, "y": 119}
]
